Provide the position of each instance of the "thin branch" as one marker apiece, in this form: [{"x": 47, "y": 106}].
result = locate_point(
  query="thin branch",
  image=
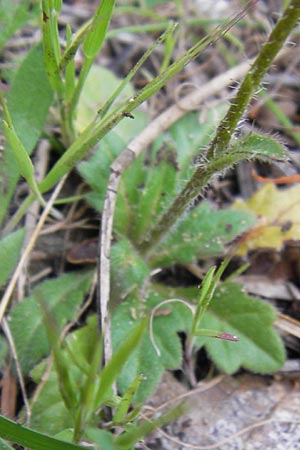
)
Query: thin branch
[
  {"x": 9, "y": 290},
  {"x": 133, "y": 150},
  {"x": 13, "y": 350}
]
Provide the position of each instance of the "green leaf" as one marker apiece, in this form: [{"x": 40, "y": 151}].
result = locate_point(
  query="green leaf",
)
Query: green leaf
[
  {"x": 49, "y": 413},
  {"x": 145, "y": 360},
  {"x": 64, "y": 296},
  {"x": 3, "y": 350},
  {"x": 96, "y": 170},
  {"x": 28, "y": 438},
  {"x": 129, "y": 270},
  {"x": 259, "y": 348},
  {"x": 12, "y": 17},
  {"x": 10, "y": 248},
  {"x": 102, "y": 438},
  {"x": 137, "y": 432},
  {"x": 201, "y": 233},
  {"x": 260, "y": 145},
  {"x": 29, "y": 98},
  {"x": 122, "y": 409},
  {"x": 129, "y": 193},
  {"x": 28, "y": 102},
  {"x": 22, "y": 158},
  {"x": 120, "y": 357},
  {"x": 5, "y": 446},
  {"x": 99, "y": 26},
  {"x": 98, "y": 87},
  {"x": 156, "y": 194},
  {"x": 190, "y": 134}
]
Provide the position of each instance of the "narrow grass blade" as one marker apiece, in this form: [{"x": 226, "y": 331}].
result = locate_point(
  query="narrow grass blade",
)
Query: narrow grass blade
[
  {"x": 123, "y": 407},
  {"x": 112, "y": 370},
  {"x": 14, "y": 432},
  {"x": 92, "y": 134},
  {"x": 98, "y": 30},
  {"x": 137, "y": 66}
]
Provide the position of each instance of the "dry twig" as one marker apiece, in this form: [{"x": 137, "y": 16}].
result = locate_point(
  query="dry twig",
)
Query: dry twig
[{"x": 130, "y": 153}]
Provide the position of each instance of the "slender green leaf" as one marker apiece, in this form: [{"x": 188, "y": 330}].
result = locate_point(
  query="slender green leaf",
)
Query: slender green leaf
[
  {"x": 156, "y": 194},
  {"x": 14, "y": 432},
  {"x": 22, "y": 158},
  {"x": 67, "y": 389},
  {"x": 49, "y": 413},
  {"x": 125, "y": 403},
  {"x": 113, "y": 368},
  {"x": 51, "y": 47},
  {"x": 99, "y": 26},
  {"x": 129, "y": 193},
  {"x": 137, "y": 432}
]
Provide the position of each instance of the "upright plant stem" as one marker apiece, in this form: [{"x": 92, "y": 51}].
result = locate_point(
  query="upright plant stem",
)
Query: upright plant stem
[{"x": 220, "y": 143}]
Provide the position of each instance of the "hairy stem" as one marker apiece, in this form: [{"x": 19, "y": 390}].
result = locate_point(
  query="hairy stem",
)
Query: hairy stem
[{"x": 221, "y": 141}]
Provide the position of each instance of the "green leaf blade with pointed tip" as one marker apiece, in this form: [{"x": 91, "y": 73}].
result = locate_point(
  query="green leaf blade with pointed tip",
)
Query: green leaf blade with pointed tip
[
  {"x": 155, "y": 197},
  {"x": 259, "y": 145}
]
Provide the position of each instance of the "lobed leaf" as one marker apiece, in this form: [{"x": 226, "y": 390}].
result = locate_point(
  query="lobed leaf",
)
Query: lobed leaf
[
  {"x": 145, "y": 360},
  {"x": 259, "y": 348}
]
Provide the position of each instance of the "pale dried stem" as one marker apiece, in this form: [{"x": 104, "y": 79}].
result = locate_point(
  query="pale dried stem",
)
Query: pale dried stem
[
  {"x": 13, "y": 350},
  {"x": 40, "y": 164},
  {"x": 11, "y": 286},
  {"x": 130, "y": 153}
]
